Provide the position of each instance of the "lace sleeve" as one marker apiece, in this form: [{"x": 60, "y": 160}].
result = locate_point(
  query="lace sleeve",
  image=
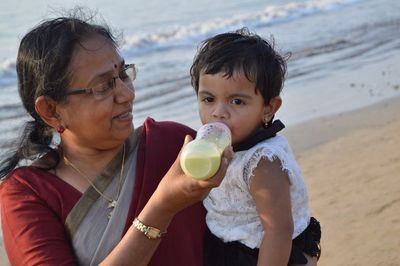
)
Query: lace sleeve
[{"x": 271, "y": 154}]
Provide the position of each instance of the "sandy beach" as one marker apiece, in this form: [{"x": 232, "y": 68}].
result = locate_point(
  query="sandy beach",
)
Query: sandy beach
[{"x": 351, "y": 163}]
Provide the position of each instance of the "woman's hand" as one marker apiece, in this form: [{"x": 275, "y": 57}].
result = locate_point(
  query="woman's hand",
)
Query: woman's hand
[{"x": 177, "y": 191}]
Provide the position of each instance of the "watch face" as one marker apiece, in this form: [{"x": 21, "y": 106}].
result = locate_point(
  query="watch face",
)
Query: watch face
[{"x": 153, "y": 233}]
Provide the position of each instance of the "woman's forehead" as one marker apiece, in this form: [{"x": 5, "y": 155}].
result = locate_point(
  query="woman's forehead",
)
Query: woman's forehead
[
  {"x": 92, "y": 57},
  {"x": 94, "y": 46},
  {"x": 94, "y": 42}
]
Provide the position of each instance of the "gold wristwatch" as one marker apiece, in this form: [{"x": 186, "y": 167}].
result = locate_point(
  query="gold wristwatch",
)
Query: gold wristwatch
[{"x": 150, "y": 232}]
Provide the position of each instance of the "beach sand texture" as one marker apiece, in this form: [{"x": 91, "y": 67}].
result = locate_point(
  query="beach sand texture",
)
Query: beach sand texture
[{"x": 351, "y": 163}]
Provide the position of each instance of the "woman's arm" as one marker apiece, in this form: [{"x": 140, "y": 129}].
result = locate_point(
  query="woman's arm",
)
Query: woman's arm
[
  {"x": 175, "y": 192},
  {"x": 270, "y": 189},
  {"x": 33, "y": 233}
]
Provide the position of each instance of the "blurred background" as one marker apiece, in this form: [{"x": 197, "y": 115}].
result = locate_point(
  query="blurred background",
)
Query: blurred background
[{"x": 325, "y": 37}]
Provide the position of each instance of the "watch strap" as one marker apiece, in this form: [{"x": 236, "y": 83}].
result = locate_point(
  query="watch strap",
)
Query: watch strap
[{"x": 149, "y": 231}]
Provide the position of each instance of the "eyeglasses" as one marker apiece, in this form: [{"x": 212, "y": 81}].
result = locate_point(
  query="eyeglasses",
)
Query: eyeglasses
[{"x": 104, "y": 89}]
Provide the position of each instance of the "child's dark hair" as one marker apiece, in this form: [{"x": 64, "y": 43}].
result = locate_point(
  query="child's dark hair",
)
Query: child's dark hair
[{"x": 245, "y": 52}]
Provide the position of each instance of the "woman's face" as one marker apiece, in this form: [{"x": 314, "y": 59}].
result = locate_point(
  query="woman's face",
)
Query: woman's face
[{"x": 97, "y": 123}]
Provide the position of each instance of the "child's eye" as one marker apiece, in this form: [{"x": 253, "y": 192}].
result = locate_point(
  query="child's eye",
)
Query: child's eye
[
  {"x": 208, "y": 99},
  {"x": 237, "y": 101}
]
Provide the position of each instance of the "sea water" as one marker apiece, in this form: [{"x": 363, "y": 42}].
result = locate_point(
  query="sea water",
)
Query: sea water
[{"x": 161, "y": 38}]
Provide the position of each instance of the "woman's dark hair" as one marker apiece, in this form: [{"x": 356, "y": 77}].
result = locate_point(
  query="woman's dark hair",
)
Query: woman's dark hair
[
  {"x": 245, "y": 52},
  {"x": 44, "y": 55}
]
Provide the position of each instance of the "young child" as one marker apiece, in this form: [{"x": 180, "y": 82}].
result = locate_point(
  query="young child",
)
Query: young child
[{"x": 259, "y": 214}]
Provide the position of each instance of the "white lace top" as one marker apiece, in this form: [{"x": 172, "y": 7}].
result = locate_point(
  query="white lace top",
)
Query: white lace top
[{"x": 231, "y": 211}]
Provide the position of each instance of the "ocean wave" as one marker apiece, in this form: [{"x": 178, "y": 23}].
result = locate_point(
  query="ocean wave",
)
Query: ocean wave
[
  {"x": 8, "y": 75},
  {"x": 186, "y": 35}
]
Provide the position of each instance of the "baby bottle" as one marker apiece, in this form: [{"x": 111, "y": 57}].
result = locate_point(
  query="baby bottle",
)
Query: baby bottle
[{"x": 201, "y": 157}]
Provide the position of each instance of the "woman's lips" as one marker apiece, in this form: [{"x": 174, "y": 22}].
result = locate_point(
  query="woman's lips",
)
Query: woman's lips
[{"x": 125, "y": 116}]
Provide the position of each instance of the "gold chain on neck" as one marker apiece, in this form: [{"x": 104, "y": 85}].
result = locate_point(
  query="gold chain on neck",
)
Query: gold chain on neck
[{"x": 111, "y": 202}]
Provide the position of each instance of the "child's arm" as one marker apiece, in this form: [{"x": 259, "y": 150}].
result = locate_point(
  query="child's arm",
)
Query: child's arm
[{"x": 270, "y": 189}]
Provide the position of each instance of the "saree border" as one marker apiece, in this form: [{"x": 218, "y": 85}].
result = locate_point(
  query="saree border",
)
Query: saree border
[{"x": 89, "y": 197}]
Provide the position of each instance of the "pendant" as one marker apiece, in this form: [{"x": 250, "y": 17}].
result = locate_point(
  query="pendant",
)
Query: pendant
[{"x": 111, "y": 205}]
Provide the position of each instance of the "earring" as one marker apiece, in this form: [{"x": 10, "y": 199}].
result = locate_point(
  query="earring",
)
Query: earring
[
  {"x": 60, "y": 129},
  {"x": 266, "y": 121}
]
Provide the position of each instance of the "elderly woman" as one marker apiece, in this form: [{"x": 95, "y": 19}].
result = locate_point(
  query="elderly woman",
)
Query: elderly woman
[{"x": 108, "y": 193}]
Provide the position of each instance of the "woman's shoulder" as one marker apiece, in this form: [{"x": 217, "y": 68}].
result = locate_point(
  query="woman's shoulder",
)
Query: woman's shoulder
[
  {"x": 21, "y": 182},
  {"x": 30, "y": 178},
  {"x": 162, "y": 141},
  {"x": 166, "y": 129},
  {"x": 19, "y": 177},
  {"x": 166, "y": 125},
  {"x": 29, "y": 183}
]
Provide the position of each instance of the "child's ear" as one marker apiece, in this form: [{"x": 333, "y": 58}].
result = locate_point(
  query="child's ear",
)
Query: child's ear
[
  {"x": 272, "y": 107},
  {"x": 46, "y": 108}
]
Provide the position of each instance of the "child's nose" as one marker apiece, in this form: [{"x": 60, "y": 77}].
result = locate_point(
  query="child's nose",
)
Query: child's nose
[{"x": 220, "y": 111}]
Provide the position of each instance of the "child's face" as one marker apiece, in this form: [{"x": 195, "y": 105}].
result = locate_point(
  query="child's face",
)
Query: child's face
[{"x": 232, "y": 101}]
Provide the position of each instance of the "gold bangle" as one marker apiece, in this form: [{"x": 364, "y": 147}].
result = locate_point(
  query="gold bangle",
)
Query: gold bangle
[{"x": 149, "y": 232}]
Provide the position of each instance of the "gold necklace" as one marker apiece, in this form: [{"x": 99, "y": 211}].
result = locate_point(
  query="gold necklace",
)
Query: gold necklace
[{"x": 111, "y": 202}]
